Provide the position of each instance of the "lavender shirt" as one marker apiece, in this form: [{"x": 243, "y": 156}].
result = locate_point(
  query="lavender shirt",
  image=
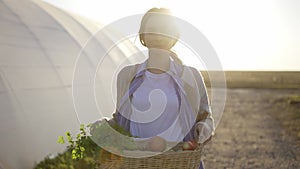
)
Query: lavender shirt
[
  {"x": 186, "y": 117},
  {"x": 155, "y": 108}
]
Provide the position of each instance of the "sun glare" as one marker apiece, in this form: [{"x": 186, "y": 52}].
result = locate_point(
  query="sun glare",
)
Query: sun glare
[
  {"x": 251, "y": 36},
  {"x": 246, "y": 35}
]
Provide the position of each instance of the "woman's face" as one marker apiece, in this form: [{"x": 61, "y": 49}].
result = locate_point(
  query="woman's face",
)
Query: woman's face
[{"x": 159, "y": 32}]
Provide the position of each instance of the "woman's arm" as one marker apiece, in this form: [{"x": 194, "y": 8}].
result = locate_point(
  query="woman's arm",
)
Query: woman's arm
[
  {"x": 204, "y": 127},
  {"x": 124, "y": 79}
]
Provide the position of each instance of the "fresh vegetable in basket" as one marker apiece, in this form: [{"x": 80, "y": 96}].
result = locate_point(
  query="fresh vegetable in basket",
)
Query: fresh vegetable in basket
[
  {"x": 83, "y": 152},
  {"x": 107, "y": 135},
  {"x": 189, "y": 145},
  {"x": 156, "y": 144}
]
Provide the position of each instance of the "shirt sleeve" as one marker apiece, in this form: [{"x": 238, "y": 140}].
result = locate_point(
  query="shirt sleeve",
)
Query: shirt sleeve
[
  {"x": 122, "y": 84},
  {"x": 204, "y": 114},
  {"x": 124, "y": 79}
]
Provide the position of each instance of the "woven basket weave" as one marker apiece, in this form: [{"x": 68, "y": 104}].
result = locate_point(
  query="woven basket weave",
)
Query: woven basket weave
[{"x": 168, "y": 160}]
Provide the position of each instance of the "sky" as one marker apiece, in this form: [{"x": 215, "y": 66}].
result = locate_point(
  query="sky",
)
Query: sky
[{"x": 246, "y": 35}]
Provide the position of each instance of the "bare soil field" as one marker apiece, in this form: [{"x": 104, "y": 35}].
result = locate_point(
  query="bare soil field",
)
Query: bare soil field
[
  {"x": 260, "y": 128},
  {"x": 256, "y": 79}
]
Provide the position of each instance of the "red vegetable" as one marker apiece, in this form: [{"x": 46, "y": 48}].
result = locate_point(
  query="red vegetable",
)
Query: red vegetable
[{"x": 189, "y": 145}]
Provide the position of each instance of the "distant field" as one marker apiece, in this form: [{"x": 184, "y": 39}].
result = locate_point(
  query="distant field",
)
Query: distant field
[{"x": 258, "y": 79}]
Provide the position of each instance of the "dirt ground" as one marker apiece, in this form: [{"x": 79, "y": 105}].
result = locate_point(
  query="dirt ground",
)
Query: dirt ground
[{"x": 259, "y": 129}]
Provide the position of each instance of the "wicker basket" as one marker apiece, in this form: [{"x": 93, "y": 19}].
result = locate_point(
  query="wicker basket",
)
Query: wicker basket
[{"x": 171, "y": 159}]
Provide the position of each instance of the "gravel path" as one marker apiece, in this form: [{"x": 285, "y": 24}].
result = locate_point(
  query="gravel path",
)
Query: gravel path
[{"x": 249, "y": 136}]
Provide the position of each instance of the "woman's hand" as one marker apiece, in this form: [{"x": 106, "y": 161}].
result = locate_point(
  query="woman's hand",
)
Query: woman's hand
[{"x": 203, "y": 132}]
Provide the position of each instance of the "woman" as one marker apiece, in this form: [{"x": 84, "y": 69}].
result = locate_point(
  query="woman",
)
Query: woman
[{"x": 153, "y": 98}]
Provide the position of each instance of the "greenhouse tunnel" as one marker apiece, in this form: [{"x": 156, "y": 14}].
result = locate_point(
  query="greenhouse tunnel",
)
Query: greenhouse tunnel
[{"x": 39, "y": 48}]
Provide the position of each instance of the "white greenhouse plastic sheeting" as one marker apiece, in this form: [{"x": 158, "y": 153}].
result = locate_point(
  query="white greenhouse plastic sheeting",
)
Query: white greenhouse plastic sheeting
[{"x": 39, "y": 45}]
